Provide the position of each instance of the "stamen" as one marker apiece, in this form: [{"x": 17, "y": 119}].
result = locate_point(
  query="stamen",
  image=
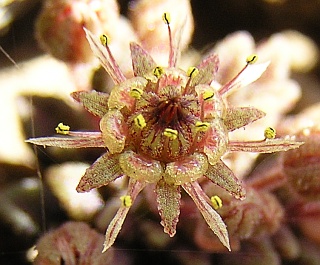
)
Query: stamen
[
  {"x": 167, "y": 19},
  {"x": 170, "y": 133},
  {"x": 202, "y": 126},
  {"x": 105, "y": 40},
  {"x": 270, "y": 133},
  {"x": 207, "y": 95},
  {"x": 136, "y": 92},
  {"x": 62, "y": 129},
  {"x": 140, "y": 122},
  {"x": 192, "y": 71},
  {"x": 216, "y": 202},
  {"x": 158, "y": 71},
  {"x": 126, "y": 200},
  {"x": 251, "y": 59}
]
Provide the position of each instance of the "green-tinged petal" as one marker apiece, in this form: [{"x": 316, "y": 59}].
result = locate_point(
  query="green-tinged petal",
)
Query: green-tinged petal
[
  {"x": 207, "y": 70},
  {"x": 186, "y": 170},
  {"x": 94, "y": 102},
  {"x": 116, "y": 224},
  {"x": 69, "y": 142},
  {"x": 168, "y": 199},
  {"x": 113, "y": 128},
  {"x": 238, "y": 117},
  {"x": 106, "y": 59},
  {"x": 139, "y": 167},
  {"x": 223, "y": 176},
  {"x": 142, "y": 62},
  {"x": 212, "y": 218},
  {"x": 267, "y": 146},
  {"x": 100, "y": 173}
]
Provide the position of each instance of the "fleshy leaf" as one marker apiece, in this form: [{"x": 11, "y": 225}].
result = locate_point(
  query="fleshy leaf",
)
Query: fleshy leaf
[
  {"x": 69, "y": 141},
  {"x": 94, "y": 102},
  {"x": 248, "y": 75},
  {"x": 238, "y": 117},
  {"x": 267, "y": 146},
  {"x": 106, "y": 59},
  {"x": 207, "y": 70},
  {"x": 104, "y": 170},
  {"x": 116, "y": 224},
  {"x": 168, "y": 199},
  {"x": 223, "y": 176},
  {"x": 212, "y": 218},
  {"x": 142, "y": 62}
]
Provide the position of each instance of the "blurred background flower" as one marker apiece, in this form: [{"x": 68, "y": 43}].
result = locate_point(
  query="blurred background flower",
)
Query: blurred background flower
[{"x": 277, "y": 224}]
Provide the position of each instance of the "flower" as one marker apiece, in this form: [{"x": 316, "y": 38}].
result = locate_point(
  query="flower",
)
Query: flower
[{"x": 167, "y": 127}]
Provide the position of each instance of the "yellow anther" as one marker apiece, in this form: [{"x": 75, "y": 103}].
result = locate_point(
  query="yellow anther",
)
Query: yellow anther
[
  {"x": 269, "y": 133},
  {"x": 136, "y": 92},
  {"x": 126, "y": 200},
  {"x": 202, "y": 126},
  {"x": 166, "y": 18},
  {"x": 170, "y": 133},
  {"x": 139, "y": 121},
  {"x": 192, "y": 71},
  {"x": 216, "y": 202},
  {"x": 62, "y": 129},
  {"x": 207, "y": 95},
  {"x": 251, "y": 59},
  {"x": 105, "y": 40},
  {"x": 158, "y": 71}
]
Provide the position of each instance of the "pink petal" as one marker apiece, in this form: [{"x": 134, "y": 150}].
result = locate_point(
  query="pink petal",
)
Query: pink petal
[
  {"x": 116, "y": 224},
  {"x": 212, "y": 218},
  {"x": 95, "y": 140},
  {"x": 207, "y": 70},
  {"x": 104, "y": 170},
  {"x": 142, "y": 62},
  {"x": 223, "y": 176},
  {"x": 267, "y": 146},
  {"x": 106, "y": 60},
  {"x": 239, "y": 117},
  {"x": 94, "y": 102},
  {"x": 168, "y": 199}
]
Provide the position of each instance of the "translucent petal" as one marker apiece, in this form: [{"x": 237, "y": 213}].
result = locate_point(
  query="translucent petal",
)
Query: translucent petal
[
  {"x": 94, "y": 102},
  {"x": 186, "y": 170},
  {"x": 238, "y": 117},
  {"x": 223, "y": 176},
  {"x": 267, "y": 146},
  {"x": 114, "y": 130},
  {"x": 168, "y": 199},
  {"x": 69, "y": 142},
  {"x": 215, "y": 141},
  {"x": 142, "y": 62},
  {"x": 106, "y": 60},
  {"x": 212, "y": 218},
  {"x": 248, "y": 75},
  {"x": 104, "y": 170},
  {"x": 207, "y": 70},
  {"x": 116, "y": 224},
  {"x": 139, "y": 167}
]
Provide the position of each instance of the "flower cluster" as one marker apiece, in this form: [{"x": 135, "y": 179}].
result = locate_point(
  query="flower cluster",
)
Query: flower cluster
[{"x": 168, "y": 127}]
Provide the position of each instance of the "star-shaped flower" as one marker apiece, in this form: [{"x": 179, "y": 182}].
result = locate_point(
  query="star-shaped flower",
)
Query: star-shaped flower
[{"x": 168, "y": 127}]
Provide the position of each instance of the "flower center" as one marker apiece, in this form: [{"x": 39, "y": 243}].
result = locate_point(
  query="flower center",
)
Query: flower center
[{"x": 162, "y": 124}]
